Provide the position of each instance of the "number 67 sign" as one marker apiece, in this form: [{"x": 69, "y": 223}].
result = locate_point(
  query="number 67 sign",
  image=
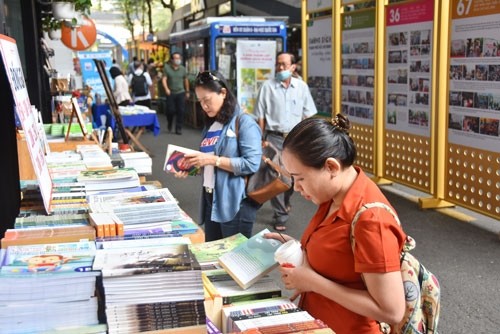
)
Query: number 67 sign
[{"x": 80, "y": 37}]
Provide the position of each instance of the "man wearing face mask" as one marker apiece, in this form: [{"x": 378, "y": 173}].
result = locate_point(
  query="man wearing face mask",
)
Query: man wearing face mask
[
  {"x": 176, "y": 86},
  {"x": 282, "y": 102}
]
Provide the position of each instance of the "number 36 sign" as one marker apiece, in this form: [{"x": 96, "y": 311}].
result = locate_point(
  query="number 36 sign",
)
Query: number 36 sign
[{"x": 80, "y": 37}]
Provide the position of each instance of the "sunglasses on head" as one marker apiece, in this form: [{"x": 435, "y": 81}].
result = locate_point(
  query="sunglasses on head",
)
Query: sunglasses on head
[{"x": 205, "y": 77}]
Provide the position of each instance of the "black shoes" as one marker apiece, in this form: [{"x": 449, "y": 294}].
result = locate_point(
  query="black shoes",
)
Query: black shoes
[{"x": 179, "y": 132}]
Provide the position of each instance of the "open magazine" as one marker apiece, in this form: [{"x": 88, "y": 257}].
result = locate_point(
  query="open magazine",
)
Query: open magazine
[{"x": 175, "y": 161}]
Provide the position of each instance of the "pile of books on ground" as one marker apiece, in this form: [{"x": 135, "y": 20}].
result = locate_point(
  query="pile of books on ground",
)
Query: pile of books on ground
[
  {"x": 49, "y": 287},
  {"x": 151, "y": 287}
]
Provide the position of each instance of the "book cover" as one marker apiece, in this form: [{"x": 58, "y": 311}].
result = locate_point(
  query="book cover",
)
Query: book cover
[
  {"x": 209, "y": 252},
  {"x": 175, "y": 161},
  {"x": 251, "y": 260},
  {"x": 77, "y": 256},
  {"x": 141, "y": 260},
  {"x": 134, "y": 201},
  {"x": 103, "y": 175}
]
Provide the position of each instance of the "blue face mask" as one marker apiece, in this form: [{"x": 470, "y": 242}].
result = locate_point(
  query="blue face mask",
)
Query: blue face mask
[
  {"x": 177, "y": 61},
  {"x": 283, "y": 75}
]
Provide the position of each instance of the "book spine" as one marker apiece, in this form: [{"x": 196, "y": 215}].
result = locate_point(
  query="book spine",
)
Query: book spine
[
  {"x": 285, "y": 318},
  {"x": 287, "y": 329},
  {"x": 49, "y": 240},
  {"x": 253, "y": 296},
  {"x": 106, "y": 230},
  {"x": 12, "y": 234},
  {"x": 112, "y": 228},
  {"x": 119, "y": 228},
  {"x": 273, "y": 310}
]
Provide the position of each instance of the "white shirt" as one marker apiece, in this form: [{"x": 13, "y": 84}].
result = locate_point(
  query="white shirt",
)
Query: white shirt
[
  {"x": 283, "y": 108},
  {"x": 148, "y": 81},
  {"x": 120, "y": 90}
]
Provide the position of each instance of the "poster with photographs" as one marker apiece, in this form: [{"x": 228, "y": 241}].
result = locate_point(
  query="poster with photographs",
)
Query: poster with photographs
[
  {"x": 409, "y": 67},
  {"x": 319, "y": 63},
  {"x": 254, "y": 65},
  {"x": 358, "y": 65},
  {"x": 474, "y": 96}
]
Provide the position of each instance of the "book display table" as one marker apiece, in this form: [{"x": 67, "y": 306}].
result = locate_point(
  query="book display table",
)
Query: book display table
[{"x": 135, "y": 120}]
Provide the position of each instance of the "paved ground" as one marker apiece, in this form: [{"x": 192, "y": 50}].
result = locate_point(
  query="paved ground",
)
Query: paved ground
[{"x": 464, "y": 255}]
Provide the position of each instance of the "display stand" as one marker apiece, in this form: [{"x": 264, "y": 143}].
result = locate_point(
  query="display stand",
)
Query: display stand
[
  {"x": 111, "y": 98},
  {"x": 76, "y": 112}
]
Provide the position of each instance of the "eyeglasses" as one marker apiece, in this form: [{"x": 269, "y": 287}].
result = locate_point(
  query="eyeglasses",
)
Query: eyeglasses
[{"x": 205, "y": 77}]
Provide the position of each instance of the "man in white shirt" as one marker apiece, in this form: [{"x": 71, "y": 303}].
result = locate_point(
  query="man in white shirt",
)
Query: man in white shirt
[{"x": 281, "y": 104}]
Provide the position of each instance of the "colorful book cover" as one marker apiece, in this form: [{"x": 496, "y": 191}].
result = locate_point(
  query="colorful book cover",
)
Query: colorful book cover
[
  {"x": 175, "y": 161},
  {"x": 101, "y": 175},
  {"x": 207, "y": 252},
  {"x": 77, "y": 256}
]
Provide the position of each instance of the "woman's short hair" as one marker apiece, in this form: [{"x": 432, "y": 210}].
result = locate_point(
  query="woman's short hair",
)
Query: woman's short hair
[
  {"x": 314, "y": 140},
  {"x": 214, "y": 81}
]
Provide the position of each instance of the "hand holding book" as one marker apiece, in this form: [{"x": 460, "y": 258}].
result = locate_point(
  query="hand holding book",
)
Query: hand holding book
[{"x": 175, "y": 161}]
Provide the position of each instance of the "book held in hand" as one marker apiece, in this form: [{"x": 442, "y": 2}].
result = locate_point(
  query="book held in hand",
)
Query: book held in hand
[
  {"x": 175, "y": 161},
  {"x": 251, "y": 260}
]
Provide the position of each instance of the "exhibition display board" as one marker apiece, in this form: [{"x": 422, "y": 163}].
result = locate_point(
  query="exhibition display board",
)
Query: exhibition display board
[
  {"x": 419, "y": 82},
  {"x": 358, "y": 80},
  {"x": 408, "y": 93},
  {"x": 473, "y": 132}
]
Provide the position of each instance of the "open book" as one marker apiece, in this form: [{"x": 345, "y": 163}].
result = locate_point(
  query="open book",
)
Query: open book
[
  {"x": 175, "y": 161},
  {"x": 250, "y": 260}
]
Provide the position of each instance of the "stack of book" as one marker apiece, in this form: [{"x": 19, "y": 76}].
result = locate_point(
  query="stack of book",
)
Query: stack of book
[
  {"x": 109, "y": 179},
  {"x": 151, "y": 288},
  {"x": 94, "y": 157},
  {"x": 68, "y": 196},
  {"x": 140, "y": 161},
  {"x": 138, "y": 209},
  {"x": 57, "y": 276},
  {"x": 221, "y": 291},
  {"x": 239, "y": 317},
  {"x": 42, "y": 229}
]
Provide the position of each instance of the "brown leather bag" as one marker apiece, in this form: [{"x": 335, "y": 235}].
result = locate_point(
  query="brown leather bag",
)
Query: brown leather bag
[{"x": 271, "y": 179}]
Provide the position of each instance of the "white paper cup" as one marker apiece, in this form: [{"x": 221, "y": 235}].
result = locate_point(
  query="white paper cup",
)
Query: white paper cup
[{"x": 289, "y": 253}]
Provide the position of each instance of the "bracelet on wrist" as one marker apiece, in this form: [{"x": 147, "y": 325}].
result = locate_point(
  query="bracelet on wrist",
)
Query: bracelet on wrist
[{"x": 218, "y": 161}]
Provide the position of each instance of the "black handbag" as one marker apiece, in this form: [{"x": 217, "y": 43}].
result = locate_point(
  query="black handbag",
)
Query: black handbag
[{"x": 271, "y": 179}]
